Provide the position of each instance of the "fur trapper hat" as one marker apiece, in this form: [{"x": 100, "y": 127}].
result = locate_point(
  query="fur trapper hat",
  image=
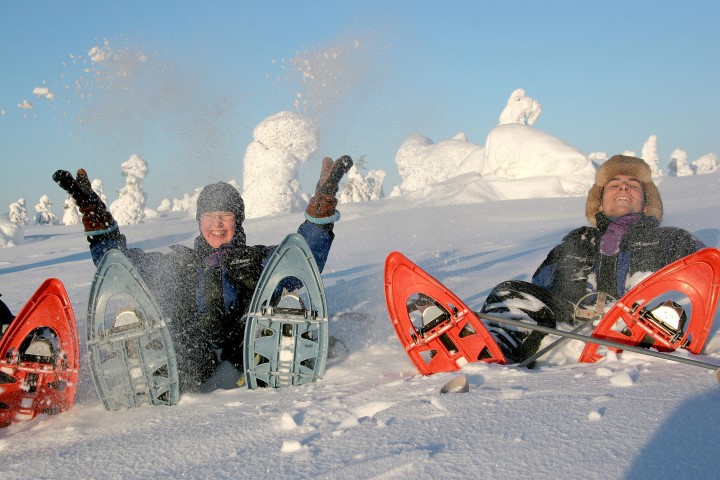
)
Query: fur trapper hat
[{"x": 632, "y": 167}]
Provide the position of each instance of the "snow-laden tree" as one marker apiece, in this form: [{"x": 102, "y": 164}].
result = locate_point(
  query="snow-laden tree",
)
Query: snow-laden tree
[
  {"x": 678, "y": 165},
  {"x": 71, "y": 214},
  {"x": 11, "y": 233},
  {"x": 650, "y": 155},
  {"x": 281, "y": 143},
  {"x": 598, "y": 158},
  {"x": 520, "y": 109},
  {"x": 44, "y": 215},
  {"x": 187, "y": 203},
  {"x": 515, "y": 151},
  {"x": 190, "y": 202},
  {"x": 706, "y": 164},
  {"x": 97, "y": 186},
  {"x": 362, "y": 189},
  {"x": 17, "y": 212},
  {"x": 421, "y": 162},
  {"x": 129, "y": 208},
  {"x": 165, "y": 205}
]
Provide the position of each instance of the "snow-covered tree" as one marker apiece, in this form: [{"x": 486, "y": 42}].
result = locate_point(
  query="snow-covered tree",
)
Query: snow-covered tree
[
  {"x": 281, "y": 143},
  {"x": 190, "y": 202},
  {"x": 706, "y": 164},
  {"x": 129, "y": 208},
  {"x": 650, "y": 155},
  {"x": 678, "y": 165},
  {"x": 234, "y": 183},
  {"x": 165, "y": 205},
  {"x": 11, "y": 233},
  {"x": 187, "y": 203},
  {"x": 520, "y": 109},
  {"x": 598, "y": 158},
  {"x": 17, "y": 212},
  {"x": 515, "y": 151},
  {"x": 421, "y": 162},
  {"x": 97, "y": 186},
  {"x": 71, "y": 214},
  {"x": 362, "y": 189},
  {"x": 44, "y": 215}
]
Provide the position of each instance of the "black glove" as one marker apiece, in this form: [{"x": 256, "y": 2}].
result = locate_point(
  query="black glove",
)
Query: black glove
[
  {"x": 95, "y": 216},
  {"x": 322, "y": 206}
]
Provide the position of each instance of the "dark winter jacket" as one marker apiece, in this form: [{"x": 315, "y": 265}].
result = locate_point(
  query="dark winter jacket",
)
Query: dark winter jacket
[
  {"x": 6, "y": 317},
  {"x": 204, "y": 292},
  {"x": 577, "y": 266}
]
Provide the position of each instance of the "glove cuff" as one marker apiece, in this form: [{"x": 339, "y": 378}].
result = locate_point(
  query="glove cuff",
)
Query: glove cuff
[
  {"x": 324, "y": 220},
  {"x": 94, "y": 233}
]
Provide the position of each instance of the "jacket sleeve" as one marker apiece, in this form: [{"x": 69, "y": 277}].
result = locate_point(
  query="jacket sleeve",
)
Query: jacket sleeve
[
  {"x": 566, "y": 269},
  {"x": 675, "y": 244},
  {"x": 319, "y": 238},
  {"x": 105, "y": 243}
]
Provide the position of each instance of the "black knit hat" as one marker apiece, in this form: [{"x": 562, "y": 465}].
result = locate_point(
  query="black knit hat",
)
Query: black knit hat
[{"x": 221, "y": 197}]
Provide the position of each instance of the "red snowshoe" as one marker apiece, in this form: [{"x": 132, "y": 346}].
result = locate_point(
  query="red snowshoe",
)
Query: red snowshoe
[
  {"x": 39, "y": 357},
  {"x": 673, "y": 308},
  {"x": 439, "y": 332}
]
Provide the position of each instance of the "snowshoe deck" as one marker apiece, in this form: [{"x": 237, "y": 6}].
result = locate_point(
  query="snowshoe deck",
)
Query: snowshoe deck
[
  {"x": 655, "y": 312},
  {"x": 438, "y": 331},
  {"x": 130, "y": 350},
  {"x": 286, "y": 335},
  {"x": 39, "y": 357}
]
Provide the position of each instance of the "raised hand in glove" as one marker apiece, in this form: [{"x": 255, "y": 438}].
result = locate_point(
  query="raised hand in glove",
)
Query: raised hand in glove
[
  {"x": 322, "y": 206},
  {"x": 95, "y": 216}
]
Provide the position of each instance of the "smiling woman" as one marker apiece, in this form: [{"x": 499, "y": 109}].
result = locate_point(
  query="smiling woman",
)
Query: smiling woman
[{"x": 221, "y": 212}]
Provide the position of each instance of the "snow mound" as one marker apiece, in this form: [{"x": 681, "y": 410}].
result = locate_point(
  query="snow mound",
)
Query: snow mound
[{"x": 521, "y": 151}]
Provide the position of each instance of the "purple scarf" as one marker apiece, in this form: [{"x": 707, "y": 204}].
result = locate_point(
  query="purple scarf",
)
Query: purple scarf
[{"x": 610, "y": 241}]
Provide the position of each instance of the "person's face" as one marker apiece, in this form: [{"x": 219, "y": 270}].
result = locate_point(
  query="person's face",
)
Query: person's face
[
  {"x": 217, "y": 228},
  {"x": 622, "y": 195}
]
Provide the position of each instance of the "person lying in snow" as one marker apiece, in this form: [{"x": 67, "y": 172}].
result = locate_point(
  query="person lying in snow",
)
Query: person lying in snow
[
  {"x": 205, "y": 290},
  {"x": 623, "y": 245}
]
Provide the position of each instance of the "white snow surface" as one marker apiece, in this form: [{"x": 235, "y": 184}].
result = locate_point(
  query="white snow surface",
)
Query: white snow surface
[{"x": 372, "y": 415}]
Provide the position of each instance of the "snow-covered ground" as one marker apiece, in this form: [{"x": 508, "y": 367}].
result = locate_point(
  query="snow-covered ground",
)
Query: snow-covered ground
[{"x": 372, "y": 415}]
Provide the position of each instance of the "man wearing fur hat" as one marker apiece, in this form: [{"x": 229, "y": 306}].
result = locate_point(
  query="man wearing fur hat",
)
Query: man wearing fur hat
[
  {"x": 623, "y": 245},
  {"x": 205, "y": 290}
]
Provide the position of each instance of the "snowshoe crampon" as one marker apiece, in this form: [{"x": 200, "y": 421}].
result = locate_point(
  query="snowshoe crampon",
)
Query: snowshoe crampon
[
  {"x": 438, "y": 331},
  {"x": 673, "y": 308},
  {"x": 131, "y": 354},
  {"x": 39, "y": 357},
  {"x": 286, "y": 335}
]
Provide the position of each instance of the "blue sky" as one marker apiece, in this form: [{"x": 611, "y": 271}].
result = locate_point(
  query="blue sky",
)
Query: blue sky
[{"x": 608, "y": 75}]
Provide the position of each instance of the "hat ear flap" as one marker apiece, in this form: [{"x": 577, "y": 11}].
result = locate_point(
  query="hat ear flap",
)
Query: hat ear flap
[
  {"x": 592, "y": 206},
  {"x": 653, "y": 202}
]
